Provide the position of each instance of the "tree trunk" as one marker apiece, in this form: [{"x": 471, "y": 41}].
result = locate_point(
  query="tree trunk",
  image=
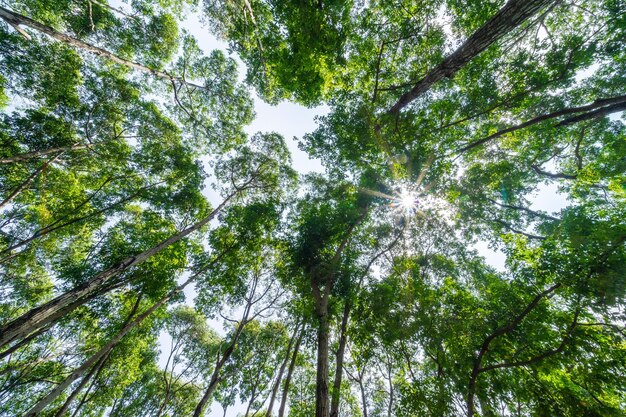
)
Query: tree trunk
[
  {"x": 81, "y": 385},
  {"x": 86, "y": 395},
  {"x": 279, "y": 377},
  {"x": 23, "y": 342},
  {"x": 15, "y": 20},
  {"x": 513, "y": 14},
  {"x": 363, "y": 396},
  {"x": 104, "y": 350},
  {"x": 209, "y": 391},
  {"x": 321, "y": 390},
  {"x": 29, "y": 155},
  {"x": 252, "y": 398},
  {"x": 61, "y": 305},
  {"x": 292, "y": 365},
  {"x": 343, "y": 339},
  {"x": 51, "y": 228},
  {"x": 598, "y": 108},
  {"x": 28, "y": 180},
  {"x": 215, "y": 376}
]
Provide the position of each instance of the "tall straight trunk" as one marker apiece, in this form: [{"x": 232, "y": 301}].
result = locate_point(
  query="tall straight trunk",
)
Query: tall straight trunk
[
  {"x": 81, "y": 385},
  {"x": 321, "y": 298},
  {"x": 28, "y": 180},
  {"x": 281, "y": 371},
  {"x": 63, "y": 304},
  {"x": 363, "y": 396},
  {"x": 215, "y": 379},
  {"x": 93, "y": 372},
  {"x": 104, "y": 350},
  {"x": 292, "y": 366},
  {"x": 215, "y": 376},
  {"x": 321, "y": 390},
  {"x": 86, "y": 395},
  {"x": 343, "y": 339},
  {"x": 513, "y": 14},
  {"x": 16, "y": 19},
  {"x": 35, "y": 154}
]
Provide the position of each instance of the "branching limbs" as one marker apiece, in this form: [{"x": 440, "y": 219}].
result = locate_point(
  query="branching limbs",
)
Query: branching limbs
[{"x": 512, "y": 325}]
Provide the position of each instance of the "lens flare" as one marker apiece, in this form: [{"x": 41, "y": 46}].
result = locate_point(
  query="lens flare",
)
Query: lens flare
[{"x": 407, "y": 200}]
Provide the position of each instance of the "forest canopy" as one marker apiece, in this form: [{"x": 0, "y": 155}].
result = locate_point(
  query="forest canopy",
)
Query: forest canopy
[{"x": 157, "y": 260}]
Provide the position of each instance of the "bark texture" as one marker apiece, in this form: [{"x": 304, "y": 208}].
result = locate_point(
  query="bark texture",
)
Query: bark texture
[
  {"x": 16, "y": 20},
  {"x": 343, "y": 340},
  {"x": 104, "y": 350},
  {"x": 63, "y": 304},
  {"x": 281, "y": 371},
  {"x": 321, "y": 389},
  {"x": 513, "y": 14}
]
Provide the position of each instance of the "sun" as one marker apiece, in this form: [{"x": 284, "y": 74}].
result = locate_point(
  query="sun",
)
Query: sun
[{"x": 407, "y": 199}]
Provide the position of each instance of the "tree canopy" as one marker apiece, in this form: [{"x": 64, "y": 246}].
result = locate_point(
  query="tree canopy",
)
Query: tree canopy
[{"x": 156, "y": 260}]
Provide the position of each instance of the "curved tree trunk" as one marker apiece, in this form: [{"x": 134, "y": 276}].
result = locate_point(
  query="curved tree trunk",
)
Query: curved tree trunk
[
  {"x": 35, "y": 154},
  {"x": 600, "y": 107},
  {"x": 63, "y": 304},
  {"x": 513, "y": 14},
  {"x": 215, "y": 376}
]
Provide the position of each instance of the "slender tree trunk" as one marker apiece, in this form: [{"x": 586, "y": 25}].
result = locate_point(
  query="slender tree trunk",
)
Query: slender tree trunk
[
  {"x": 104, "y": 350},
  {"x": 29, "y": 155},
  {"x": 16, "y": 19},
  {"x": 28, "y": 180},
  {"x": 51, "y": 228},
  {"x": 343, "y": 339},
  {"x": 23, "y": 342},
  {"x": 279, "y": 377},
  {"x": 61, "y": 305},
  {"x": 215, "y": 376},
  {"x": 116, "y": 10},
  {"x": 513, "y": 14},
  {"x": 321, "y": 298},
  {"x": 86, "y": 395},
  {"x": 391, "y": 392},
  {"x": 292, "y": 366},
  {"x": 252, "y": 398},
  {"x": 209, "y": 391},
  {"x": 94, "y": 372},
  {"x": 321, "y": 390},
  {"x": 81, "y": 385},
  {"x": 363, "y": 396}
]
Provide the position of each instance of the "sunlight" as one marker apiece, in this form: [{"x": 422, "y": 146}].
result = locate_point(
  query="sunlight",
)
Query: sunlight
[{"x": 407, "y": 199}]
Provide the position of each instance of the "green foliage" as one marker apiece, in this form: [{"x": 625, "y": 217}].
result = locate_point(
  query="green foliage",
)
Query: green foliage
[{"x": 102, "y": 162}]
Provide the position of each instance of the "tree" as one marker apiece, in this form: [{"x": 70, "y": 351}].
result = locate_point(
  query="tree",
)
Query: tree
[{"x": 155, "y": 260}]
